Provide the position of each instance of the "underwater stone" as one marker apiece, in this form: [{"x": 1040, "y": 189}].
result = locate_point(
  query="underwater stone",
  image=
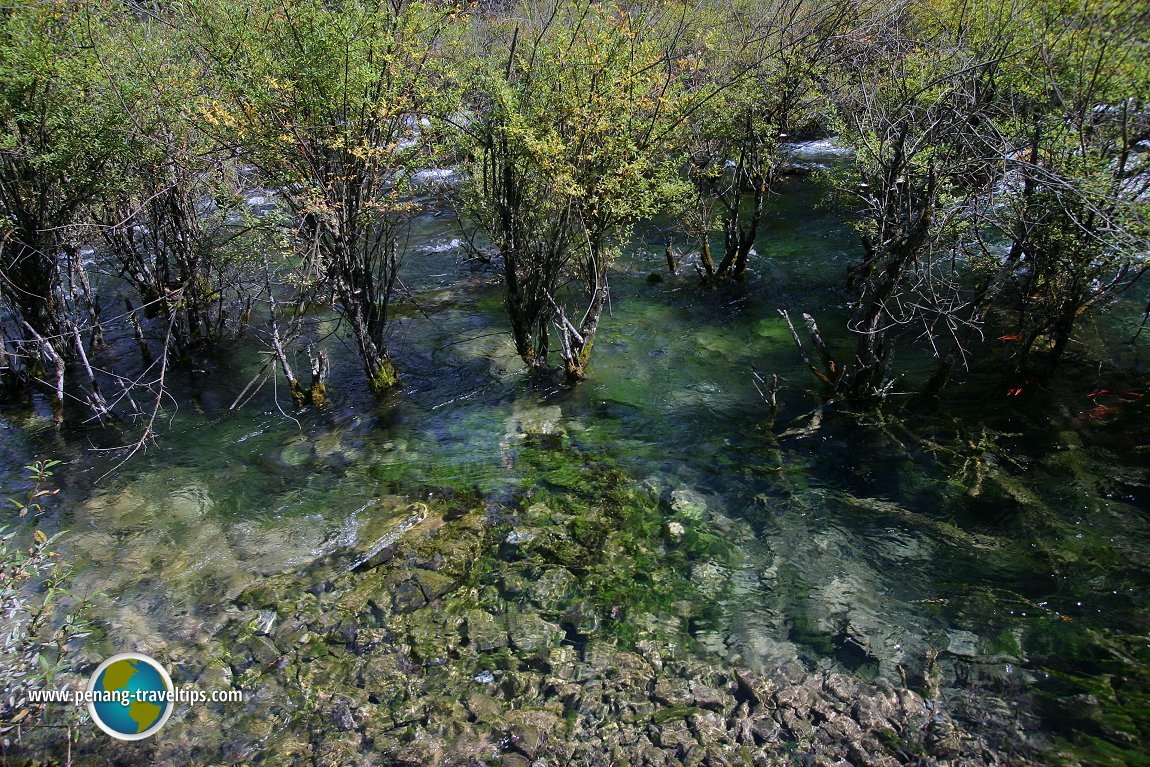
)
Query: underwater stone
[
  {"x": 484, "y": 708},
  {"x": 942, "y": 737},
  {"x": 517, "y": 537},
  {"x": 296, "y": 453},
  {"x": 705, "y": 696},
  {"x": 328, "y": 445},
  {"x": 708, "y": 728},
  {"x": 407, "y": 597},
  {"x": 433, "y": 584},
  {"x": 674, "y": 735},
  {"x": 553, "y": 590},
  {"x": 530, "y": 634},
  {"x": 709, "y": 578},
  {"x": 264, "y": 652},
  {"x": 764, "y": 729},
  {"x": 583, "y": 616},
  {"x": 689, "y": 503},
  {"x": 758, "y": 689},
  {"x": 528, "y": 419},
  {"x": 529, "y": 730},
  {"x": 375, "y": 559},
  {"x": 263, "y": 622},
  {"x": 672, "y": 692},
  {"x": 483, "y": 631},
  {"x": 962, "y": 643},
  {"x": 189, "y": 504}
]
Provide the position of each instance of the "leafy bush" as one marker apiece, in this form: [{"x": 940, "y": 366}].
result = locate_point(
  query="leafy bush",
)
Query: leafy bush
[{"x": 42, "y": 619}]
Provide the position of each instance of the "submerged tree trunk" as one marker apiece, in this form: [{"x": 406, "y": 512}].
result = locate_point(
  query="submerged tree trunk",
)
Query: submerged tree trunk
[
  {"x": 708, "y": 262},
  {"x": 381, "y": 373},
  {"x": 579, "y": 340},
  {"x": 30, "y": 276},
  {"x": 577, "y": 347},
  {"x": 525, "y": 288}
]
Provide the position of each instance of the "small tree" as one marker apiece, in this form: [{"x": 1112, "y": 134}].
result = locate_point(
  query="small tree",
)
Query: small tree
[
  {"x": 170, "y": 224},
  {"x": 329, "y": 100},
  {"x": 574, "y": 106},
  {"x": 1074, "y": 206},
  {"x": 911, "y": 107},
  {"x": 59, "y": 129},
  {"x": 762, "y": 85},
  {"x": 43, "y": 620}
]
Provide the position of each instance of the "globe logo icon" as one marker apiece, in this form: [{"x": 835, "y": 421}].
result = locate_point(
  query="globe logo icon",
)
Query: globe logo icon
[{"x": 130, "y": 696}]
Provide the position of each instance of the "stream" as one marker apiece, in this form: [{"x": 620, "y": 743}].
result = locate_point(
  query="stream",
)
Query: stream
[{"x": 990, "y": 552}]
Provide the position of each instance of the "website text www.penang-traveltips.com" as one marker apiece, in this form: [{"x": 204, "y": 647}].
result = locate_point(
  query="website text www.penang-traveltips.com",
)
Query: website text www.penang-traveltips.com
[{"x": 128, "y": 697}]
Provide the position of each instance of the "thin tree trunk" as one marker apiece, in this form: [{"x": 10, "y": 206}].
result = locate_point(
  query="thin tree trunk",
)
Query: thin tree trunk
[{"x": 708, "y": 262}]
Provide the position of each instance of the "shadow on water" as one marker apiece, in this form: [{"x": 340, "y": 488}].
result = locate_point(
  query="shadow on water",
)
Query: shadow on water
[{"x": 993, "y": 549}]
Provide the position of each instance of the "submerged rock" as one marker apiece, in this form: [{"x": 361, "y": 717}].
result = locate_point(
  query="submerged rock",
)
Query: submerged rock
[
  {"x": 450, "y": 651},
  {"x": 527, "y": 419},
  {"x": 531, "y": 634},
  {"x": 689, "y": 503},
  {"x": 484, "y": 632}
]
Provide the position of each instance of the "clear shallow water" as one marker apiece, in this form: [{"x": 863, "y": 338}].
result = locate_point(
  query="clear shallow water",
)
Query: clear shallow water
[{"x": 871, "y": 545}]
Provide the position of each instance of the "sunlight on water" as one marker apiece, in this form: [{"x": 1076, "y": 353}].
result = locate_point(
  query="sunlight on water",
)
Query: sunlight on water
[{"x": 865, "y": 548}]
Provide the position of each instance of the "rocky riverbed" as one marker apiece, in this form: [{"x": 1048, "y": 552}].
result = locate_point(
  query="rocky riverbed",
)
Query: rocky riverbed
[{"x": 552, "y": 629}]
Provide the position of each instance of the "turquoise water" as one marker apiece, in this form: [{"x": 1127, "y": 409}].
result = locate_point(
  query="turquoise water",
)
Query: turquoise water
[{"x": 993, "y": 546}]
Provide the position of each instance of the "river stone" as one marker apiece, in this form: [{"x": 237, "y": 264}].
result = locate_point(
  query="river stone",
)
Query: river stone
[
  {"x": 407, "y": 597},
  {"x": 690, "y": 503},
  {"x": 799, "y": 727},
  {"x": 130, "y": 509},
  {"x": 483, "y": 631},
  {"x": 583, "y": 617},
  {"x": 710, "y": 578},
  {"x": 652, "y": 652},
  {"x": 705, "y": 696},
  {"x": 942, "y": 737},
  {"x": 963, "y": 644},
  {"x": 869, "y": 753},
  {"x": 433, "y": 584},
  {"x": 420, "y": 588},
  {"x": 328, "y": 445},
  {"x": 675, "y": 736},
  {"x": 875, "y": 711},
  {"x": 758, "y": 689},
  {"x": 530, "y": 634},
  {"x": 841, "y": 687},
  {"x": 418, "y": 697},
  {"x": 554, "y": 589},
  {"x": 520, "y": 537},
  {"x": 798, "y": 698},
  {"x": 672, "y": 692},
  {"x": 709, "y": 728},
  {"x": 529, "y": 730},
  {"x": 484, "y": 708},
  {"x": 733, "y": 530},
  {"x": 189, "y": 504},
  {"x": 263, "y": 622},
  {"x": 530, "y": 419},
  {"x": 839, "y": 729},
  {"x": 296, "y": 452}
]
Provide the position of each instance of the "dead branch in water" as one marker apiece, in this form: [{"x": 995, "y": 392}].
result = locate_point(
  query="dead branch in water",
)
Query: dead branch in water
[{"x": 831, "y": 374}]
